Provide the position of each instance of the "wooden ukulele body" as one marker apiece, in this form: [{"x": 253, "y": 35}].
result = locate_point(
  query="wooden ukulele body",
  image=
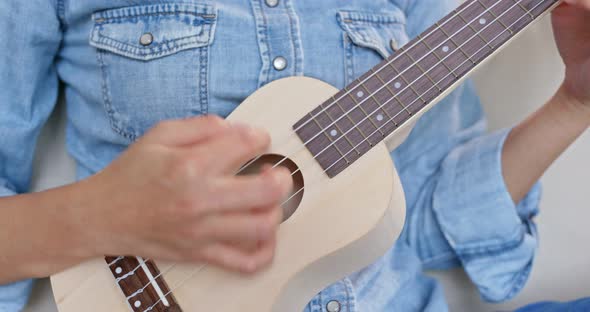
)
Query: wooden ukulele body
[{"x": 341, "y": 225}]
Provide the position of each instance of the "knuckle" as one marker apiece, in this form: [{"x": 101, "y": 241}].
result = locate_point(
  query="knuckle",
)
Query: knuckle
[
  {"x": 214, "y": 121},
  {"x": 164, "y": 126},
  {"x": 266, "y": 226},
  {"x": 185, "y": 168},
  {"x": 253, "y": 140},
  {"x": 197, "y": 234},
  {"x": 273, "y": 187}
]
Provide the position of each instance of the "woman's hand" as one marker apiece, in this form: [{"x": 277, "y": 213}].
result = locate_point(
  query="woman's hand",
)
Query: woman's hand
[
  {"x": 571, "y": 24},
  {"x": 174, "y": 196},
  {"x": 533, "y": 145}
]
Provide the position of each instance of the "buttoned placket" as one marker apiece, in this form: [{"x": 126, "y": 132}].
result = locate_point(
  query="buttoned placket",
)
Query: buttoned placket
[
  {"x": 279, "y": 39},
  {"x": 339, "y": 297}
]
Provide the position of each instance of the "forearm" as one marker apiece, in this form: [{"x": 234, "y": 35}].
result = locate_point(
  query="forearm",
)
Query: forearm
[
  {"x": 39, "y": 234},
  {"x": 535, "y": 143}
]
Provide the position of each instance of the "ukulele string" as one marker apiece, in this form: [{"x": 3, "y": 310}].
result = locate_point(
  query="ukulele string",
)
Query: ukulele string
[
  {"x": 369, "y": 77},
  {"x": 392, "y": 118},
  {"x": 148, "y": 284},
  {"x": 322, "y": 131},
  {"x": 194, "y": 272},
  {"x": 115, "y": 261},
  {"x": 132, "y": 272},
  {"x": 184, "y": 280},
  {"x": 409, "y": 86}
]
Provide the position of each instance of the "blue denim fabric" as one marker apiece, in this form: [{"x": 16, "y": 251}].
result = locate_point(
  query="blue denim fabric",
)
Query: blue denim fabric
[
  {"x": 582, "y": 305},
  {"x": 208, "y": 56}
]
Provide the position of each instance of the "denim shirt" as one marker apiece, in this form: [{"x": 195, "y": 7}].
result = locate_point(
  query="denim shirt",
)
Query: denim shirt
[{"x": 127, "y": 64}]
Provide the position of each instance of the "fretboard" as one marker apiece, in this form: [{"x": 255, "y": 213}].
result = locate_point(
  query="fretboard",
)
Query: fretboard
[
  {"x": 349, "y": 124},
  {"x": 142, "y": 284}
]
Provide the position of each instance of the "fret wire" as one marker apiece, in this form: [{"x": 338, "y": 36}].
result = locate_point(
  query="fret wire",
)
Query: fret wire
[
  {"x": 395, "y": 58},
  {"x": 359, "y": 105},
  {"x": 193, "y": 273},
  {"x": 394, "y": 96},
  {"x": 452, "y": 71},
  {"x": 354, "y": 124},
  {"x": 450, "y": 38},
  {"x": 425, "y": 73},
  {"x": 496, "y": 17},
  {"x": 408, "y": 83},
  {"x": 328, "y": 136},
  {"x": 307, "y": 121},
  {"x": 477, "y": 33},
  {"x": 448, "y": 74},
  {"x": 443, "y": 77},
  {"x": 526, "y": 10},
  {"x": 116, "y": 260}
]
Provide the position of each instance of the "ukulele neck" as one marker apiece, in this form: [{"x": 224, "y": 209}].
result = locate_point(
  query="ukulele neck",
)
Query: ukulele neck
[{"x": 374, "y": 106}]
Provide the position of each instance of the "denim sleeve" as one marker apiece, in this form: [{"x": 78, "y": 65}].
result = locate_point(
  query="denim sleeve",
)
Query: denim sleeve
[
  {"x": 464, "y": 214},
  {"x": 30, "y": 34}
]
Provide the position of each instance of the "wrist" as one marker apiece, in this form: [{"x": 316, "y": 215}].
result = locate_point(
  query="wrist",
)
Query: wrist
[
  {"x": 71, "y": 222},
  {"x": 84, "y": 219},
  {"x": 576, "y": 108}
]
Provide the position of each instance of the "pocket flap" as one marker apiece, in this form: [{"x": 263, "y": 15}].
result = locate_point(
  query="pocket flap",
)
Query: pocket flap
[
  {"x": 147, "y": 32},
  {"x": 383, "y": 32}
]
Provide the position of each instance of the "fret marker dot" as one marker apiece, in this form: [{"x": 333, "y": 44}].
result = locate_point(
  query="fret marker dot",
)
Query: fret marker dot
[
  {"x": 445, "y": 49},
  {"x": 333, "y": 133},
  {"x": 137, "y": 304},
  {"x": 379, "y": 117},
  {"x": 397, "y": 85},
  {"x": 360, "y": 94},
  {"x": 118, "y": 270},
  {"x": 482, "y": 21}
]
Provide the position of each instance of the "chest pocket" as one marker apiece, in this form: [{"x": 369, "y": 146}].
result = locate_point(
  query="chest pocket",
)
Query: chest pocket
[
  {"x": 154, "y": 63},
  {"x": 369, "y": 38}
]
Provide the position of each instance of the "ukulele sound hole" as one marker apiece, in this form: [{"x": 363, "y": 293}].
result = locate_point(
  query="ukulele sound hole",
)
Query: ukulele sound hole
[{"x": 292, "y": 200}]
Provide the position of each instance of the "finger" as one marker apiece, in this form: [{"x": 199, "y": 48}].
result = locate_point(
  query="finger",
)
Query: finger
[
  {"x": 242, "y": 228},
  {"x": 581, "y": 3},
  {"x": 181, "y": 132},
  {"x": 243, "y": 193},
  {"x": 235, "y": 259},
  {"x": 228, "y": 152}
]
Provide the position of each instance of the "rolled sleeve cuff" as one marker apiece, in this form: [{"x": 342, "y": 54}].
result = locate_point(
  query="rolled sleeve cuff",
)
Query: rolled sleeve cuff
[{"x": 494, "y": 239}]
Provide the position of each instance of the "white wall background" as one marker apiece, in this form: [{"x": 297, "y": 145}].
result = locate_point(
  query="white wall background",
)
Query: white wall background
[{"x": 514, "y": 84}]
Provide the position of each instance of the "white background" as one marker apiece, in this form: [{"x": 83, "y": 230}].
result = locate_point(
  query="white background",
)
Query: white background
[{"x": 514, "y": 84}]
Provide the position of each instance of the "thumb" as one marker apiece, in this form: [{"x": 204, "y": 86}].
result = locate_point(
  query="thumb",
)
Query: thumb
[{"x": 580, "y": 3}]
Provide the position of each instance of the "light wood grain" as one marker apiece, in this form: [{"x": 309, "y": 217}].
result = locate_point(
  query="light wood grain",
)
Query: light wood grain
[{"x": 351, "y": 219}]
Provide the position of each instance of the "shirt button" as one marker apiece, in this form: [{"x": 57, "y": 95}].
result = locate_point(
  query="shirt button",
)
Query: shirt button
[
  {"x": 333, "y": 306},
  {"x": 279, "y": 63},
  {"x": 272, "y": 3},
  {"x": 146, "y": 39},
  {"x": 393, "y": 45}
]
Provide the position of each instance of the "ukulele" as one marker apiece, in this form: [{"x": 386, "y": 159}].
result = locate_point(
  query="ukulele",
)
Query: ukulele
[{"x": 329, "y": 140}]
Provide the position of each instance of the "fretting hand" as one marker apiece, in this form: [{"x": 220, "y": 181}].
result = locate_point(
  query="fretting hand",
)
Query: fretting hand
[{"x": 572, "y": 34}]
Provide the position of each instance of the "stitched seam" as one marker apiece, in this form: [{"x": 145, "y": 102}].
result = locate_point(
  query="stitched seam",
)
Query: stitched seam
[
  {"x": 105, "y": 20},
  {"x": 162, "y": 9},
  {"x": 296, "y": 39},
  {"x": 204, "y": 83},
  {"x": 349, "y": 17},
  {"x": 348, "y": 59},
  {"x": 351, "y": 296},
  {"x": 125, "y": 47},
  {"x": 268, "y": 46},
  {"x": 490, "y": 249},
  {"x": 107, "y": 100},
  {"x": 263, "y": 46}
]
